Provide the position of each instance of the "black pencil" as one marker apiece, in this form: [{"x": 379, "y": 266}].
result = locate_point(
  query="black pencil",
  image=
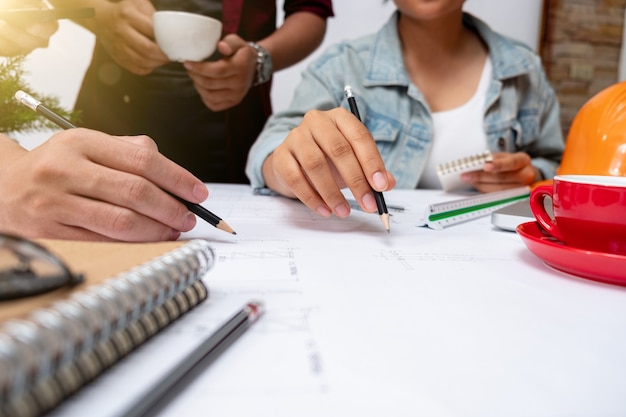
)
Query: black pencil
[
  {"x": 380, "y": 200},
  {"x": 35, "y": 105},
  {"x": 205, "y": 353},
  {"x": 205, "y": 214}
]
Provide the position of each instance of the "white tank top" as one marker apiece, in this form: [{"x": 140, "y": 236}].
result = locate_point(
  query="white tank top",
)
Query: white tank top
[{"x": 457, "y": 133}]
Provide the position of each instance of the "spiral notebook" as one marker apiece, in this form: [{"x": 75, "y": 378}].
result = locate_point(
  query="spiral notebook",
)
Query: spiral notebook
[
  {"x": 449, "y": 173},
  {"x": 53, "y": 344}
]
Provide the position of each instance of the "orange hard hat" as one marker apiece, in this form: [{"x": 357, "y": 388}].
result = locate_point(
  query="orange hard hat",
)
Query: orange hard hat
[{"x": 596, "y": 142}]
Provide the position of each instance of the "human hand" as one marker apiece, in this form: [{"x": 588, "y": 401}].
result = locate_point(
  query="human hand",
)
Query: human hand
[
  {"x": 86, "y": 185},
  {"x": 328, "y": 151},
  {"x": 223, "y": 84},
  {"x": 126, "y": 31},
  {"x": 507, "y": 170},
  {"x": 21, "y": 39}
]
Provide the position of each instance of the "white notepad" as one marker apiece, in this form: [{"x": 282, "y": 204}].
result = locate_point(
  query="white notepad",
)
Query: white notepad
[{"x": 449, "y": 173}]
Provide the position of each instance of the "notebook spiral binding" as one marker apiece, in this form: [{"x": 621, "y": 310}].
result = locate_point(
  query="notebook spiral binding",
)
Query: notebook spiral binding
[
  {"x": 54, "y": 351},
  {"x": 464, "y": 164}
]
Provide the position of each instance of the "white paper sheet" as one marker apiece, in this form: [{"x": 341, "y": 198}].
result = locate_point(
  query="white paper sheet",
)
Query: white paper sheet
[{"x": 463, "y": 321}]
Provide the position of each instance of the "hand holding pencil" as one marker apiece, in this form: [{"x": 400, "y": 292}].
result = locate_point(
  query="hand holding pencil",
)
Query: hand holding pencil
[
  {"x": 328, "y": 151},
  {"x": 83, "y": 184},
  {"x": 380, "y": 199}
]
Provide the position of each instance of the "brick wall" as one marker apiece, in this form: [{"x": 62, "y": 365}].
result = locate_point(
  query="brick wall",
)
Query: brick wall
[{"x": 580, "y": 47}]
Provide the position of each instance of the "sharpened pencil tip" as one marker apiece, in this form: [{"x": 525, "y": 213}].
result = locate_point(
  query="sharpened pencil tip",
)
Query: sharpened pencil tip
[
  {"x": 385, "y": 219},
  {"x": 222, "y": 225}
]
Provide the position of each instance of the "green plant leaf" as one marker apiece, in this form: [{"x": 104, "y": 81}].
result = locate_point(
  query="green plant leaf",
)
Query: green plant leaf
[{"x": 15, "y": 117}]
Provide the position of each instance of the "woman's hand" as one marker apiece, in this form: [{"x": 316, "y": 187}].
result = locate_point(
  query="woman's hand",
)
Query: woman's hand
[
  {"x": 328, "y": 151},
  {"x": 507, "y": 170}
]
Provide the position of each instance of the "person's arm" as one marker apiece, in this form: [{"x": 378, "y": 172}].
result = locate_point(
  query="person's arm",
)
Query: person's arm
[
  {"x": 300, "y": 34},
  {"x": 307, "y": 153},
  {"x": 21, "y": 39},
  {"x": 125, "y": 30},
  {"x": 86, "y": 185},
  {"x": 224, "y": 83}
]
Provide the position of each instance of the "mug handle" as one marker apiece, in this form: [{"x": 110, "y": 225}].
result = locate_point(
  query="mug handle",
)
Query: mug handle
[{"x": 537, "y": 197}]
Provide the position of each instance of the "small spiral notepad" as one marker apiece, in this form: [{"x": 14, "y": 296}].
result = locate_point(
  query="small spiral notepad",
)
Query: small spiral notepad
[
  {"x": 449, "y": 173},
  {"x": 55, "y": 349}
]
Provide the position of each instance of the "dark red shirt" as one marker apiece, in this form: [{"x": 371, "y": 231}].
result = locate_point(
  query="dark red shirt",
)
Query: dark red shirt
[
  {"x": 255, "y": 20},
  {"x": 164, "y": 104}
]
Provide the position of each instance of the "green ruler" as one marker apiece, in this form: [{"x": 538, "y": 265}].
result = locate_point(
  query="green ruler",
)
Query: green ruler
[{"x": 440, "y": 215}]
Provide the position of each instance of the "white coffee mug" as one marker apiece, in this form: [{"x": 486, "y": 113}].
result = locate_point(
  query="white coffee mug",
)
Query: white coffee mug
[{"x": 184, "y": 36}]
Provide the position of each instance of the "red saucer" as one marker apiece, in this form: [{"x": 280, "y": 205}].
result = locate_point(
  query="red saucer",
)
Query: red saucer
[{"x": 598, "y": 266}]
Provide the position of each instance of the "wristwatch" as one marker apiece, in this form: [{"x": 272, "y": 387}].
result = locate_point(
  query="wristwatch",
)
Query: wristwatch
[{"x": 263, "y": 71}]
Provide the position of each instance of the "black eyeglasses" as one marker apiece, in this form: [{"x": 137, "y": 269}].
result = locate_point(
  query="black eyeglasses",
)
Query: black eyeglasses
[{"x": 27, "y": 268}]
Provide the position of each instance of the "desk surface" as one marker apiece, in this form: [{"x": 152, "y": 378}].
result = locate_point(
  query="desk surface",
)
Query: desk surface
[{"x": 458, "y": 322}]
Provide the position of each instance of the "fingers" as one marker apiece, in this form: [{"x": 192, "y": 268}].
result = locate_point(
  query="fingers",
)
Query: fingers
[
  {"x": 230, "y": 44},
  {"x": 507, "y": 170},
  {"x": 356, "y": 159},
  {"x": 144, "y": 22},
  {"x": 224, "y": 83},
  {"x": 506, "y": 162},
  {"x": 129, "y": 175},
  {"x": 98, "y": 221},
  {"x": 141, "y": 140},
  {"x": 365, "y": 150},
  {"x": 304, "y": 170},
  {"x": 237, "y": 57},
  {"x": 131, "y": 201},
  {"x": 328, "y": 151},
  {"x": 121, "y": 154},
  {"x": 126, "y": 31},
  {"x": 115, "y": 222}
]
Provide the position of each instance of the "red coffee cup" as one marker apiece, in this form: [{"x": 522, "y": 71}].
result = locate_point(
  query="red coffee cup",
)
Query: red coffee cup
[{"x": 588, "y": 211}]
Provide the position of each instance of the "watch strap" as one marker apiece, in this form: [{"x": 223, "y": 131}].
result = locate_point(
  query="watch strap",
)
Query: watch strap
[{"x": 263, "y": 71}]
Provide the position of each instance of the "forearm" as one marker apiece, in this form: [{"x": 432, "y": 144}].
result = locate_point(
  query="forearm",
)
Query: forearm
[
  {"x": 290, "y": 43},
  {"x": 101, "y": 7}
]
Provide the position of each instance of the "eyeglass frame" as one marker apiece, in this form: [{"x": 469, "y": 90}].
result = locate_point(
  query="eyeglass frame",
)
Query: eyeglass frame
[{"x": 21, "y": 281}]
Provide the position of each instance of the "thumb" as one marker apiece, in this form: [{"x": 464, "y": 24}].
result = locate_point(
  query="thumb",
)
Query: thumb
[{"x": 230, "y": 44}]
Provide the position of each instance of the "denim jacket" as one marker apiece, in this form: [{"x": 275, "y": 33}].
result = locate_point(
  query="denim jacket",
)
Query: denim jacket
[{"x": 521, "y": 109}]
